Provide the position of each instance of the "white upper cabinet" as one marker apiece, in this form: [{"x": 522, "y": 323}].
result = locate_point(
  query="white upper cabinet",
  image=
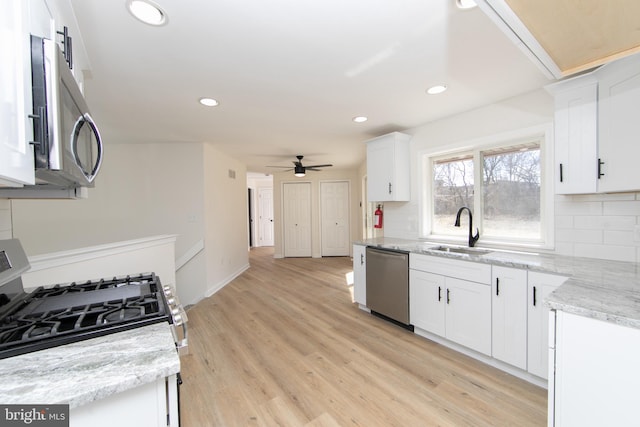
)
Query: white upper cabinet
[
  {"x": 388, "y": 168},
  {"x": 619, "y": 125},
  {"x": 18, "y": 20},
  {"x": 16, "y": 154},
  {"x": 596, "y": 127},
  {"x": 576, "y": 139}
]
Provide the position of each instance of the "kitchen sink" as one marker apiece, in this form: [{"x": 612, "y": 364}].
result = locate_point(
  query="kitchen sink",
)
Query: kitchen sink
[{"x": 461, "y": 250}]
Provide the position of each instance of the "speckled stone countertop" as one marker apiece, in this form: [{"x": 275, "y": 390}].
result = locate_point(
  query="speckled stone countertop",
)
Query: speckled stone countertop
[
  {"x": 86, "y": 371},
  {"x": 600, "y": 289}
]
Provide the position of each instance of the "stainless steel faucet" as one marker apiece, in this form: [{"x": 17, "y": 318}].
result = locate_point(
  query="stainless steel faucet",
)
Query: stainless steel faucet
[{"x": 472, "y": 239}]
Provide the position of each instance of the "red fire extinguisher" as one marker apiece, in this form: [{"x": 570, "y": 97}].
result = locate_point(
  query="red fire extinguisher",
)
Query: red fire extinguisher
[{"x": 377, "y": 221}]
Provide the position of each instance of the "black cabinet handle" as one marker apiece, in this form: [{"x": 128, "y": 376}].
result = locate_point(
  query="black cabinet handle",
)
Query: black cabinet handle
[
  {"x": 361, "y": 259},
  {"x": 439, "y": 293},
  {"x": 497, "y": 286},
  {"x": 534, "y": 296},
  {"x": 389, "y": 188},
  {"x": 561, "y": 179},
  {"x": 600, "y": 163},
  {"x": 448, "y": 299}
]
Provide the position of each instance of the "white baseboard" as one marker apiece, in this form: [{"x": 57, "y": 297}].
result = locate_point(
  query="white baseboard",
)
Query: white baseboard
[{"x": 224, "y": 282}]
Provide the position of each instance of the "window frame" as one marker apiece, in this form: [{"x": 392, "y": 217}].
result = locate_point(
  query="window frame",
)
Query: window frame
[{"x": 543, "y": 134}]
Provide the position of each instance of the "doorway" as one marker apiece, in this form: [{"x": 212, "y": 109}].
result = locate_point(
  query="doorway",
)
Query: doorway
[
  {"x": 335, "y": 218},
  {"x": 265, "y": 216},
  {"x": 297, "y": 219}
]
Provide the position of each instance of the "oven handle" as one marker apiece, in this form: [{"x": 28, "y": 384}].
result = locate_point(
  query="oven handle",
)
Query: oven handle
[
  {"x": 183, "y": 344},
  {"x": 86, "y": 118}
]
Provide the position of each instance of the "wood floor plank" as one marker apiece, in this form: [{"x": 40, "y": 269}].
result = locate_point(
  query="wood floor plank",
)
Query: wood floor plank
[{"x": 284, "y": 345}]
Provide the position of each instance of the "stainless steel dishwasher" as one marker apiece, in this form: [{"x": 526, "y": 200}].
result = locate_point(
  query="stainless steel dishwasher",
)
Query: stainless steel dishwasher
[{"x": 388, "y": 284}]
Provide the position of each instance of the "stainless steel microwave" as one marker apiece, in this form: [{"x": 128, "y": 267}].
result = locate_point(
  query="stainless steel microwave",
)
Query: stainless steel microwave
[{"x": 67, "y": 144}]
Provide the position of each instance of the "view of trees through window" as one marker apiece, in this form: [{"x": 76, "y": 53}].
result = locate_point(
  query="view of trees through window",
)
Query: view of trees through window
[{"x": 510, "y": 193}]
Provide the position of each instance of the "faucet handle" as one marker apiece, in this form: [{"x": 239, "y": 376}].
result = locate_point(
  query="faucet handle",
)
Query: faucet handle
[{"x": 474, "y": 239}]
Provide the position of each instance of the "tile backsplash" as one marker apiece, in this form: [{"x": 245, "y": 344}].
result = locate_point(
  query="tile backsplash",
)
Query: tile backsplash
[{"x": 598, "y": 226}]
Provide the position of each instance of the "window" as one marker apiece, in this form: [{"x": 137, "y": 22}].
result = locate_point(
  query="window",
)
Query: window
[{"x": 502, "y": 185}]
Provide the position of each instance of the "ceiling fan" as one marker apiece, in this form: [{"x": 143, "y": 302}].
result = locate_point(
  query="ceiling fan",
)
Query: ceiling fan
[{"x": 299, "y": 170}]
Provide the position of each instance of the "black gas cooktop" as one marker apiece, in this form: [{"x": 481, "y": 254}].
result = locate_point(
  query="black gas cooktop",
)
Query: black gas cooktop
[{"x": 67, "y": 313}]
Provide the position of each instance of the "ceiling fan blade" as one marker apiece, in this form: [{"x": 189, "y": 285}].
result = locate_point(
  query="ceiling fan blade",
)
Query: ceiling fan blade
[
  {"x": 318, "y": 166},
  {"x": 285, "y": 167}
]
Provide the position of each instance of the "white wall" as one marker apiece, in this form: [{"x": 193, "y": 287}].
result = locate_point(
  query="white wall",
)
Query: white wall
[
  {"x": 315, "y": 178},
  {"x": 145, "y": 190},
  {"x": 227, "y": 253}
]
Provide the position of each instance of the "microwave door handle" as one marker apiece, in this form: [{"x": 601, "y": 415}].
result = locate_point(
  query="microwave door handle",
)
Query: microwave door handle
[{"x": 86, "y": 117}]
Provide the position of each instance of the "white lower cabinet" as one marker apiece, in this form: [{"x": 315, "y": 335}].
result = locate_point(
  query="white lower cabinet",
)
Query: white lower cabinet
[
  {"x": 454, "y": 308},
  {"x": 509, "y": 315},
  {"x": 427, "y": 301},
  {"x": 360, "y": 274},
  {"x": 539, "y": 286},
  {"x": 468, "y": 314},
  {"x": 153, "y": 404},
  {"x": 596, "y": 373}
]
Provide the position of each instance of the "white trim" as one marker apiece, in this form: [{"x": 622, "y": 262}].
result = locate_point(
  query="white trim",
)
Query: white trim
[
  {"x": 58, "y": 259},
  {"x": 517, "y": 372},
  {"x": 190, "y": 254},
  {"x": 224, "y": 282},
  {"x": 542, "y": 132}
]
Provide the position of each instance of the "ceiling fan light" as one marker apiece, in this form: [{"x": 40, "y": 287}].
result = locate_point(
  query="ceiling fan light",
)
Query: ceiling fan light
[{"x": 299, "y": 171}]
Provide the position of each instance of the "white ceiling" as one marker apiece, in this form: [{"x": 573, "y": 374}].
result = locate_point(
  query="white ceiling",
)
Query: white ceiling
[{"x": 291, "y": 74}]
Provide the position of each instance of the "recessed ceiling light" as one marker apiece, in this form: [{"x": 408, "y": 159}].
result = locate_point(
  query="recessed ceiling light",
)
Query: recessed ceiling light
[
  {"x": 466, "y": 4},
  {"x": 360, "y": 119},
  {"x": 434, "y": 90},
  {"x": 147, "y": 12},
  {"x": 209, "y": 102}
]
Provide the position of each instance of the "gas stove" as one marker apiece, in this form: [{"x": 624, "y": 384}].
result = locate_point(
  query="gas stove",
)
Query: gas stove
[{"x": 65, "y": 313}]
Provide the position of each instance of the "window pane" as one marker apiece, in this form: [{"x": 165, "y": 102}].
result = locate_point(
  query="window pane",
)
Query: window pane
[
  {"x": 452, "y": 189},
  {"x": 511, "y": 194}
]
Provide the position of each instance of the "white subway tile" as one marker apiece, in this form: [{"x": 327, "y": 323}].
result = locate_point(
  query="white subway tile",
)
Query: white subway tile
[
  {"x": 564, "y": 221},
  {"x": 603, "y": 197},
  {"x": 582, "y": 208},
  {"x": 564, "y": 248},
  {"x": 5, "y": 220},
  {"x": 610, "y": 252},
  {"x": 613, "y": 237},
  {"x": 579, "y": 236},
  {"x": 621, "y": 208},
  {"x": 607, "y": 222},
  {"x": 5, "y": 234}
]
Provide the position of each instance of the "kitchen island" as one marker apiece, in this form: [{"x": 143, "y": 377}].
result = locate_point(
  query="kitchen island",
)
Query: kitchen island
[{"x": 91, "y": 375}]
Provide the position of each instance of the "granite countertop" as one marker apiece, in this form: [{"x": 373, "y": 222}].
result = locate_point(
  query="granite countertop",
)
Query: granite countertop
[
  {"x": 596, "y": 288},
  {"x": 86, "y": 371}
]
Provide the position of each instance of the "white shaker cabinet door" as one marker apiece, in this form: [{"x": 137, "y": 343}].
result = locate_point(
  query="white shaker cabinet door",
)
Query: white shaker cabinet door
[
  {"x": 16, "y": 154},
  {"x": 468, "y": 314},
  {"x": 360, "y": 274},
  {"x": 427, "y": 301},
  {"x": 509, "y": 315},
  {"x": 619, "y": 125},
  {"x": 539, "y": 286}
]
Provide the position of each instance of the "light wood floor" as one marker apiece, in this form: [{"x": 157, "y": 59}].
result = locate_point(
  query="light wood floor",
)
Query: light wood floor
[{"x": 283, "y": 345}]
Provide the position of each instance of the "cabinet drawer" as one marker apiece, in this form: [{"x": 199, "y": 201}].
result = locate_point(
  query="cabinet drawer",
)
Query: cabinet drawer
[{"x": 464, "y": 270}]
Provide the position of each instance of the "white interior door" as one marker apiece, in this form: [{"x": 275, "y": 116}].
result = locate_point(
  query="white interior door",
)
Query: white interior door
[
  {"x": 297, "y": 219},
  {"x": 265, "y": 216},
  {"x": 334, "y": 211}
]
